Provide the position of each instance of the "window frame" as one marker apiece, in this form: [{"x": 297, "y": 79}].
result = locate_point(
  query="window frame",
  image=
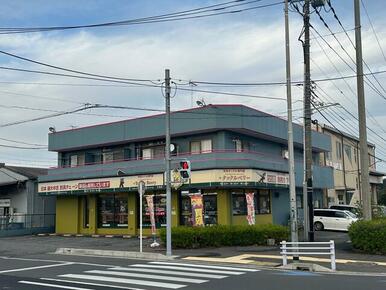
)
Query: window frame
[
  {"x": 257, "y": 200},
  {"x": 200, "y": 145}
]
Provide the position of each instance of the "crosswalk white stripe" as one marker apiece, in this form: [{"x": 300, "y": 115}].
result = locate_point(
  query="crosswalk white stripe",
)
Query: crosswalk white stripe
[
  {"x": 189, "y": 269},
  {"x": 174, "y": 273},
  {"x": 124, "y": 281},
  {"x": 91, "y": 284},
  {"x": 206, "y": 266},
  {"x": 52, "y": 285},
  {"x": 149, "y": 276}
]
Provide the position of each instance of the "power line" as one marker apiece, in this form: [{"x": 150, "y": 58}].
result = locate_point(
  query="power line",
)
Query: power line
[
  {"x": 349, "y": 125},
  {"x": 22, "y": 142},
  {"x": 345, "y": 81},
  {"x": 145, "y": 85},
  {"x": 282, "y": 83},
  {"x": 177, "y": 16},
  {"x": 75, "y": 71},
  {"x": 373, "y": 29},
  {"x": 24, "y": 148},
  {"x": 353, "y": 45}
]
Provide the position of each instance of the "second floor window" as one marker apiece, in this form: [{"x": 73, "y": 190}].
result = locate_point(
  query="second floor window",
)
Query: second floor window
[
  {"x": 347, "y": 149},
  {"x": 202, "y": 146},
  {"x": 338, "y": 150},
  {"x": 153, "y": 152}
]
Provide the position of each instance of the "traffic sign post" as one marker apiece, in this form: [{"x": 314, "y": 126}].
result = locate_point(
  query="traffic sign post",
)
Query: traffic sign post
[{"x": 141, "y": 192}]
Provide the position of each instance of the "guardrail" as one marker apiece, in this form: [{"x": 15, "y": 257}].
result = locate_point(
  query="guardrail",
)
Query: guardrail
[
  {"x": 26, "y": 221},
  {"x": 308, "y": 249}
]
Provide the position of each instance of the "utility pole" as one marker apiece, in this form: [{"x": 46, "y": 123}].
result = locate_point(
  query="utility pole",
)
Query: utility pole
[
  {"x": 307, "y": 191},
  {"x": 364, "y": 161},
  {"x": 167, "y": 167},
  {"x": 291, "y": 161}
]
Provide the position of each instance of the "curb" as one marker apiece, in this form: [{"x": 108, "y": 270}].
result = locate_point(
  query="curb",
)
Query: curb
[{"x": 113, "y": 254}]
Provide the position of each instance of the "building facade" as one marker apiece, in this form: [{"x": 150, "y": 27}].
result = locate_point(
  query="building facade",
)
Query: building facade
[
  {"x": 344, "y": 158},
  {"x": 233, "y": 150},
  {"x": 22, "y": 209}
]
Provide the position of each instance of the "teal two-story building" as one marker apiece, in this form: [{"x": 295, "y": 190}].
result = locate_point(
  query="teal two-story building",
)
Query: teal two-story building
[{"x": 233, "y": 150}]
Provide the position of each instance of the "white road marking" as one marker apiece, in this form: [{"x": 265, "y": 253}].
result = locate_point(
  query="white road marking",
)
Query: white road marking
[
  {"x": 36, "y": 267},
  {"x": 189, "y": 269},
  {"x": 124, "y": 281},
  {"x": 175, "y": 273},
  {"x": 90, "y": 283},
  {"x": 57, "y": 261},
  {"x": 207, "y": 266},
  {"x": 53, "y": 285},
  {"x": 149, "y": 276}
]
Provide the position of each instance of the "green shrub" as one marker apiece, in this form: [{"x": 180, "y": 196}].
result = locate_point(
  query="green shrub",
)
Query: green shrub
[
  {"x": 216, "y": 236},
  {"x": 369, "y": 236}
]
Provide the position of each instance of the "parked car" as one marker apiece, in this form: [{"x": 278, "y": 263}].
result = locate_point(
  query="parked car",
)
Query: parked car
[
  {"x": 350, "y": 208},
  {"x": 332, "y": 219}
]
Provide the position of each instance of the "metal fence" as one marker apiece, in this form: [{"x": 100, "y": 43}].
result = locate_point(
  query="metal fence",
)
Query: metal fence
[
  {"x": 308, "y": 249},
  {"x": 26, "y": 221}
]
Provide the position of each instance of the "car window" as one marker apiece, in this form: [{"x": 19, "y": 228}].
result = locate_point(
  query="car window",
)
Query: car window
[
  {"x": 351, "y": 214},
  {"x": 339, "y": 214},
  {"x": 325, "y": 213}
]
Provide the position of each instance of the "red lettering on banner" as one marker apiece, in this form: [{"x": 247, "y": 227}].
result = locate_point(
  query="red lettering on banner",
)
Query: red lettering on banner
[{"x": 95, "y": 184}]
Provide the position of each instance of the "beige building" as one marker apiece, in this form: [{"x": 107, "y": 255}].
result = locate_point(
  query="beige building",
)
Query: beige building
[{"x": 344, "y": 158}]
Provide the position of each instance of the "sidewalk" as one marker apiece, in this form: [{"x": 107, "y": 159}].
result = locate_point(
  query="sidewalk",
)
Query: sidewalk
[{"x": 347, "y": 259}]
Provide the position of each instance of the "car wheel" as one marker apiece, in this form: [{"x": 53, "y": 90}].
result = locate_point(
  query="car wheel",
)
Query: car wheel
[{"x": 318, "y": 226}]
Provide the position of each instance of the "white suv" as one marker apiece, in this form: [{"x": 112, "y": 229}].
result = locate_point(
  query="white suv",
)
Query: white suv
[{"x": 332, "y": 219}]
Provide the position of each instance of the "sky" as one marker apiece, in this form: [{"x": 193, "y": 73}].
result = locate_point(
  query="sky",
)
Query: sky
[{"x": 238, "y": 47}]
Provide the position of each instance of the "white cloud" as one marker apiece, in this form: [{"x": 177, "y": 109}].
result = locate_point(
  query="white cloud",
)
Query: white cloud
[{"x": 238, "y": 51}]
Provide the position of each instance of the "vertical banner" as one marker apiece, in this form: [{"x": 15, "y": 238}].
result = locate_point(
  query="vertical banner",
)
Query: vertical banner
[
  {"x": 150, "y": 208},
  {"x": 250, "y": 208},
  {"x": 197, "y": 210}
]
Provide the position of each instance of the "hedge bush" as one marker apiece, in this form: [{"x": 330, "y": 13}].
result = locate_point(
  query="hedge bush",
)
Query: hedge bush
[
  {"x": 369, "y": 236},
  {"x": 216, "y": 236}
]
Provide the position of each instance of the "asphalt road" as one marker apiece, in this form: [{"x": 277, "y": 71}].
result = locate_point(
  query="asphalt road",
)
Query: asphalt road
[{"x": 70, "y": 272}]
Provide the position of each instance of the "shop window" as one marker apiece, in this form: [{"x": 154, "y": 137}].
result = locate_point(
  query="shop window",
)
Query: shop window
[
  {"x": 112, "y": 210},
  {"x": 209, "y": 206},
  {"x": 264, "y": 205},
  {"x": 261, "y": 199},
  {"x": 239, "y": 203},
  {"x": 159, "y": 201}
]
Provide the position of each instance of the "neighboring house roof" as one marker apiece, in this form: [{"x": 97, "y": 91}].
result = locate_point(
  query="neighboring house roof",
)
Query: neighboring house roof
[
  {"x": 15, "y": 174},
  {"x": 346, "y": 135}
]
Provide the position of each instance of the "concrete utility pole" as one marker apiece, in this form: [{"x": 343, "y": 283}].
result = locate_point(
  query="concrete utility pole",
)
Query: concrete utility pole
[
  {"x": 167, "y": 167},
  {"x": 291, "y": 161},
  {"x": 307, "y": 192},
  {"x": 364, "y": 161}
]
